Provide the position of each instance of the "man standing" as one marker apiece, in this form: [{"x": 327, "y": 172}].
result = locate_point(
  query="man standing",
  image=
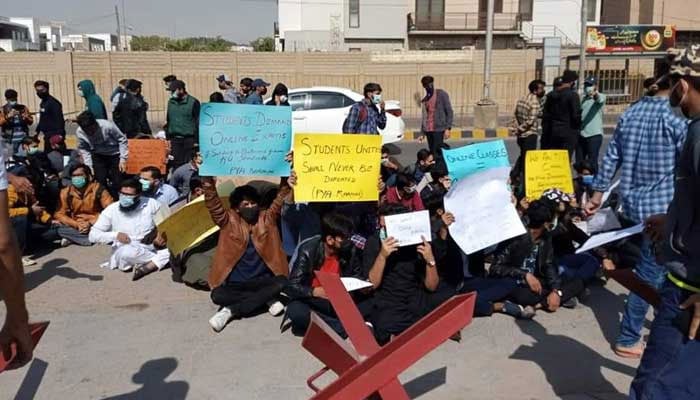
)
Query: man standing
[
  {"x": 182, "y": 123},
  {"x": 562, "y": 116},
  {"x": 104, "y": 149},
  {"x": 231, "y": 94},
  {"x": 368, "y": 115},
  {"x": 17, "y": 120},
  {"x": 526, "y": 124},
  {"x": 93, "y": 102},
  {"x": 592, "y": 124},
  {"x": 437, "y": 116},
  {"x": 668, "y": 370},
  {"x": 645, "y": 147},
  {"x": 51, "y": 121},
  {"x": 130, "y": 114},
  {"x": 259, "y": 90}
]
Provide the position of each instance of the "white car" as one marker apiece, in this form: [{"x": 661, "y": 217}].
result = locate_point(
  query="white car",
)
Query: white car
[{"x": 324, "y": 109}]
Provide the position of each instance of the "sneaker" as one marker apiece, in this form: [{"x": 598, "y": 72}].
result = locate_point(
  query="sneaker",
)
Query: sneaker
[
  {"x": 635, "y": 351},
  {"x": 220, "y": 319},
  {"x": 28, "y": 262},
  {"x": 571, "y": 303},
  {"x": 65, "y": 242},
  {"x": 276, "y": 308},
  {"x": 518, "y": 311}
]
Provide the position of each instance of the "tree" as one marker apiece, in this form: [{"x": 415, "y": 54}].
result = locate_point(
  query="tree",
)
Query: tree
[
  {"x": 263, "y": 44},
  {"x": 160, "y": 43},
  {"x": 149, "y": 43}
]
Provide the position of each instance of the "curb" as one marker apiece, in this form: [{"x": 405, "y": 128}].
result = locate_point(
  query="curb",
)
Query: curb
[{"x": 476, "y": 133}]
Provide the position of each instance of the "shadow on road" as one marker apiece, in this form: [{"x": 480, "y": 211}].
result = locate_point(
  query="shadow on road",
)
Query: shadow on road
[
  {"x": 152, "y": 376},
  {"x": 571, "y": 367},
  {"x": 51, "y": 268},
  {"x": 607, "y": 308},
  {"x": 426, "y": 383}
]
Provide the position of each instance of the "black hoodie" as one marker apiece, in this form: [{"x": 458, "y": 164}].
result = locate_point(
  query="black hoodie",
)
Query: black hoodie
[{"x": 562, "y": 114}]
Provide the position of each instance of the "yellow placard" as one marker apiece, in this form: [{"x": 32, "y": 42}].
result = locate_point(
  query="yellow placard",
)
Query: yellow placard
[
  {"x": 189, "y": 225},
  {"x": 332, "y": 167},
  {"x": 547, "y": 169}
]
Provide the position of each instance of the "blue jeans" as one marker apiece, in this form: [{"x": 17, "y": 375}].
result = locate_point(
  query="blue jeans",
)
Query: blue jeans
[
  {"x": 669, "y": 367},
  {"x": 488, "y": 291},
  {"x": 636, "y": 308},
  {"x": 583, "y": 266}
]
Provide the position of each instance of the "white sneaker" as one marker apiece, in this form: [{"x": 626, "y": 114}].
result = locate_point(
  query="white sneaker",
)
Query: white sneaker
[
  {"x": 28, "y": 262},
  {"x": 65, "y": 242},
  {"x": 276, "y": 308},
  {"x": 220, "y": 319}
]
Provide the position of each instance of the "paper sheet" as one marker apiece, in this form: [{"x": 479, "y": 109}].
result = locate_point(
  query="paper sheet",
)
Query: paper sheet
[
  {"x": 609, "y": 237},
  {"x": 410, "y": 228},
  {"x": 352, "y": 284},
  {"x": 602, "y": 221}
]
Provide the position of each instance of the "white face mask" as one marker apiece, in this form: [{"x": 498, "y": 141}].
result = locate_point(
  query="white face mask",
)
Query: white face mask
[
  {"x": 80, "y": 93},
  {"x": 283, "y": 98}
]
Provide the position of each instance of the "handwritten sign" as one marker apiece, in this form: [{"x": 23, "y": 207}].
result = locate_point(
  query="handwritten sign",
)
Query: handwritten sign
[
  {"x": 146, "y": 153},
  {"x": 467, "y": 160},
  {"x": 409, "y": 228},
  {"x": 336, "y": 167},
  {"x": 244, "y": 140},
  {"x": 189, "y": 225},
  {"x": 547, "y": 169}
]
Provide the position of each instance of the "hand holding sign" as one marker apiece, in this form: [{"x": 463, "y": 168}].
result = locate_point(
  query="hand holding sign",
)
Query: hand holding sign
[{"x": 409, "y": 228}]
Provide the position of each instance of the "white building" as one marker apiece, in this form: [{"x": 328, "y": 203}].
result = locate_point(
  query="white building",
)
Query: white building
[
  {"x": 561, "y": 18},
  {"x": 341, "y": 25},
  {"x": 111, "y": 41},
  {"x": 15, "y": 36},
  {"x": 50, "y": 35},
  {"x": 82, "y": 42}
]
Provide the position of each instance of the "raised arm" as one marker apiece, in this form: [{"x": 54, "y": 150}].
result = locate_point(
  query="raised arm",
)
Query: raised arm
[{"x": 217, "y": 211}]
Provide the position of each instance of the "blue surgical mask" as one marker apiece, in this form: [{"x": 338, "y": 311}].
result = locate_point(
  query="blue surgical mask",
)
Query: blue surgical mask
[
  {"x": 587, "y": 179},
  {"x": 145, "y": 185},
  {"x": 382, "y": 234},
  {"x": 78, "y": 181},
  {"x": 12, "y": 103},
  {"x": 33, "y": 150},
  {"x": 127, "y": 201},
  {"x": 377, "y": 98}
]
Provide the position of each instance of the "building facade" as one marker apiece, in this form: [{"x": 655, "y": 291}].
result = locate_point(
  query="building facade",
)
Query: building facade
[
  {"x": 342, "y": 25},
  {"x": 15, "y": 36},
  {"x": 82, "y": 42},
  {"x": 50, "y": 36}
]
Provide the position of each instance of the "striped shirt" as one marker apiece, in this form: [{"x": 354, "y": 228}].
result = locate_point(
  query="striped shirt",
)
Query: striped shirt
[{"x": 528, "y": 112}]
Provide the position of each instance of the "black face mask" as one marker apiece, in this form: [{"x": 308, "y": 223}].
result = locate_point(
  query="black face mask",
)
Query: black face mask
[
  {"x": 346, "y": 247},
  {"x": 427, "y": 167},
  {"x": 250, "y": 214},
  {"x": 42, "y": 95}
]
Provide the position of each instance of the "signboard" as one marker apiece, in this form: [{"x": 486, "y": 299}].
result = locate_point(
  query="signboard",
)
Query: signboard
[
  {"x": 244, "y": 140},
  {"x": 630, "y": 38},
  {"x": 466, "y": 160},
  {"x": 409, "y": 228},
  {"x": 146, "y": 153},
  {"x": 332, "y": 167},
  {"x": 547, "y": 169}
]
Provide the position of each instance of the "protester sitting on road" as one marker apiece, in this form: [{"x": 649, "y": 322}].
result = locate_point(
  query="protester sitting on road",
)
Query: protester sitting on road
[
  {"x": 405, "y": 193},
  {"x": 390, "y": 166},
  {"x": 37, "y": 167},
  {"x": 93, "y": 102},
  {"x": 104, "y": 149},
  {"x": 51, "y": 120},
  {"x": 425, "y": 162},
  {"x": 280, "y": 96},
  {"x": 440, "y": 183},
  {"x": 259, "y": 90},
  {"x": 153, "y": 186},
  {"x": 80, "y": 205},
  {"x": 402, "y": 278},
  {"x": 31, "y": 222},
  {"x": 129, "y": 226},
  {"x": 333, "y": 252},
  {"x": 196, "y": 188},
  {"x": 368, "y": 115},
  {"x": 15, "y": 120},
  {"x": 57, "y": 155},
  {"x": 230, "y": 92},
  {"x": 529, "y": 259},
  {"x": 583, "y": 183},
  {"x": 180, "y": 178},
  {"x": 249, "y": 268},
  {"x": 130, "y": 113}
]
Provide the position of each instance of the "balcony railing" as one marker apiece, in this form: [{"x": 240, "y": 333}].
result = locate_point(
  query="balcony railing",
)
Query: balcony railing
[{"x": 464, "y": 22}]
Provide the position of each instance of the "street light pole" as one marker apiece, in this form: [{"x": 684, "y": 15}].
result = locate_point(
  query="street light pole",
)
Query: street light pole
[
  {"x": 582, "y": 52},
  {"x": 487, "y": 52}
]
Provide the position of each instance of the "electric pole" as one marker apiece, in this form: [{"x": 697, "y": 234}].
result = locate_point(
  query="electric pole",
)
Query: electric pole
[
  {"x": 487, "y": 51},
  {"x": 582, "y": 52},
  {"x": 119, "y": 30},
  {"x": 125, "y": 44}
]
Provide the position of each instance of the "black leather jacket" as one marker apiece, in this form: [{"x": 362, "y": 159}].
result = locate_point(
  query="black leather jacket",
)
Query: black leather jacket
[
  {"x": 308, "y": 258},
  {"x": 511, "y": 255}
]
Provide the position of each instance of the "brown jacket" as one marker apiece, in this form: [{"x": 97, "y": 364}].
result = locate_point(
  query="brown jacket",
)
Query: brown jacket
[
  {"x": 233, "y": 239},
  {"x": 82, "y": 207}
]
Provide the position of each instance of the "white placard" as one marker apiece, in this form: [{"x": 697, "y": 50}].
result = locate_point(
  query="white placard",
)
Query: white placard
[
  {"x": 352, "y": 284},
  {"x": 609, "y": 237},
  {"x": 602, "y": 221},
  {"x": 409, "y": 228},
  {"x": 484, "y": 214}
]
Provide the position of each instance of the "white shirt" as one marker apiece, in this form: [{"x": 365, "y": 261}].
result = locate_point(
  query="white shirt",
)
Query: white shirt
[
  {"x": 136, "y": 224},
  {"x": 166, "y": 194}
]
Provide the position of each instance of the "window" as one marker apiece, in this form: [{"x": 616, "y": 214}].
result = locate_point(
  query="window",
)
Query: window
[
  {"x": 430, "y": 14},
  {"x": 497, "y": 6},
  {"x": 323, "y": 101},
  {"x": 297, "y": 101},
  {"x": 525, "y": 10},
  {"x": 591, "y": 14},
  {"x": 354, "y": 13}
]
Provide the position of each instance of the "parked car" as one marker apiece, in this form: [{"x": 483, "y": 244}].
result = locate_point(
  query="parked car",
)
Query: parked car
[{"x": 324, "y": 109}]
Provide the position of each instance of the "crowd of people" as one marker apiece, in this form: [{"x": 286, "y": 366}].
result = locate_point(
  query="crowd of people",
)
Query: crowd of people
[{"x": 269, "y": 246}]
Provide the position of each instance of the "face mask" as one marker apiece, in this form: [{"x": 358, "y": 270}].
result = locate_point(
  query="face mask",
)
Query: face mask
[
  {"x": 250, "y": 214},
  {"x": 346, "y": 247},
  {"x": 174, "y": 95},
  {"x": 410, "y": 190},
  {"x": 42, "y": 95},
  {"x": 382, "y": 234},
  {"x": 376, "y": 99},
  {"x": 80, "y": 93},
  {"x": 128, "y": 202},
  {"x": 78, "y": 181},
  {"x": 283, "y": 99},
  {"x": 427, "y": 167},
  {"x": 385, "y": 160},
  {"x": 145, "y": 185},
  {"x": 33, "y": 150},
  {"x": 430, "y": 90},
  {"x": 12, "y": 103},
  {"x": 588, "y": 89},
  {"x": 587, "y": 180}
]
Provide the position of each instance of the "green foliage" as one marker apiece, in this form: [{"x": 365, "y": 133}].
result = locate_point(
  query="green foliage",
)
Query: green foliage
[
  {"x": 160, "y": 43},
  {"x": 263, "y": 44}
]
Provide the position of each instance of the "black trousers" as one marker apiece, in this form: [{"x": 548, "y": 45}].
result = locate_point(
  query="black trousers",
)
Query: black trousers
[
  {"x": 246, "y": 298},
  {"x": 568, "y": 143},
  {"x": 106, "y": 169},
  {"x": 181, "y": 149},
  {"x": 435, "y": 142},
  {"x": 589, "y": 149},
  {"x": 299, "y": 313},
  {"x": 526, "y": 297},
  {"x": 526, "y": 144}
]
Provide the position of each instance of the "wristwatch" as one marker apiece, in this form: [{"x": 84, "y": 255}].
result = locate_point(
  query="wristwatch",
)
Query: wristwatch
[
  {"x": 560, "y": 293},
  {"x": 432, "y": 263}
]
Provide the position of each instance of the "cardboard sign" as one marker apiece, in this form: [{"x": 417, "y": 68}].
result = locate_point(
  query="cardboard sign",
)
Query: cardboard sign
[
  {"x": 332, "y": 167},
  {"x": 466, "y": 160},
  {"x": 36, "y": 330},
  {"x": 409, "y": 228},
  {"x": 244, "y": 140},
  {"x": 547, "y": 169},
  {"x": 146, "y": 153}
]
